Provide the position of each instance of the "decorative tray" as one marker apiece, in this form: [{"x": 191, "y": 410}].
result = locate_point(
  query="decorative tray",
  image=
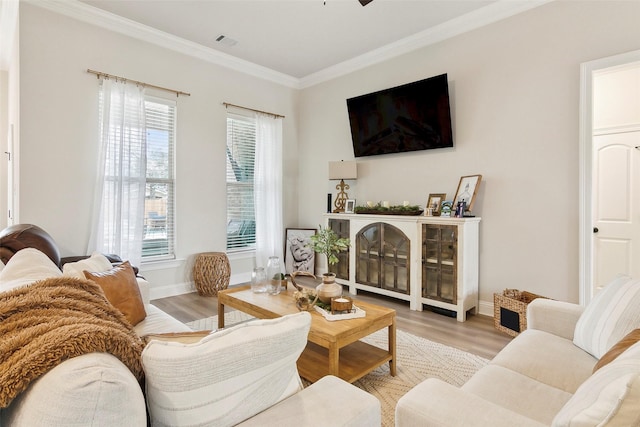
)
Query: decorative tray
[{"x": 357, "y": 312}]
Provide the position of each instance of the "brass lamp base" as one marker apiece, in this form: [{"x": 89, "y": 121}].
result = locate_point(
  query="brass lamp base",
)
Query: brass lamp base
[{"x": 341, "y": 200}]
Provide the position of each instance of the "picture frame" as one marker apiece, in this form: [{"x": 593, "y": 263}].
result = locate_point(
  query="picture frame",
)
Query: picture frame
[
  {"x": 350, "y": 206},
  {"x": 435, "y": 203},
  {"x": 467, "y": 189},
  {"x": 298, "y": 253},
  {"x": 445, "y": 209}
]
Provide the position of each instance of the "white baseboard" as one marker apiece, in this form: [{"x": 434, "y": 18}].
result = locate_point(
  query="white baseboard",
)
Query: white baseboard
[
  {"x": 156, "y": 292},
  {"x": 239, "y": 279},
  {"x": 184, "y": 288},
  {"x": 485, "y": 308}
]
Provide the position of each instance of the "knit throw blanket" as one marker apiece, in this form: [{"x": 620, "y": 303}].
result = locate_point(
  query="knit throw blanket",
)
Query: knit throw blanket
[{"x": 53, "y": 320}]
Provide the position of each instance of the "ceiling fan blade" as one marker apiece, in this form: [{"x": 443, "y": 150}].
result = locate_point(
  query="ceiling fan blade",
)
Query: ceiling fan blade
[{"x": 365, "y": 2}]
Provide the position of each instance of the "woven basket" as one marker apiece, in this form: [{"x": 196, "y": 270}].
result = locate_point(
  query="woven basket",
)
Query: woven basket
[
  {"x": 211, "y": 273},
  {"x": 510, "y": 310}
]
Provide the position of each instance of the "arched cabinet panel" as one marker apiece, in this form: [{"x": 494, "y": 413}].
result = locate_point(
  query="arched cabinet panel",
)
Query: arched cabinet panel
[{"x": 383, "y": 257}]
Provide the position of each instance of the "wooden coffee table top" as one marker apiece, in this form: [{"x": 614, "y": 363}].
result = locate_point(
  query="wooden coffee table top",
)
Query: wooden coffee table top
[
  {"x": 330, "y": 335},
  {"x": 265, "y": 306}
]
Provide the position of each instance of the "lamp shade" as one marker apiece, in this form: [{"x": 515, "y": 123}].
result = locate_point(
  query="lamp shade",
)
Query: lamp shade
[{"x": 343, "y": 170}]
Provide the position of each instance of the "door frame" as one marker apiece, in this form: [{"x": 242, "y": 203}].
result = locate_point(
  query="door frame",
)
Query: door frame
[{"x": 585, "y": 220}]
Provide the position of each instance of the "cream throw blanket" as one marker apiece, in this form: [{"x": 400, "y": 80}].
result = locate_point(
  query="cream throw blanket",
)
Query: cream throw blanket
[{"x": 52, "y": 320}]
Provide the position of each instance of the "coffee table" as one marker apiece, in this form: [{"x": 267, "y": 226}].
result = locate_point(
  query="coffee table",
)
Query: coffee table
[{"x": 333, "y": 347}]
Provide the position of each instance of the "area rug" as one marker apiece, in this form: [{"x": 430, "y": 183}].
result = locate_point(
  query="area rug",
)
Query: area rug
[{"x": 418, "y": 359}]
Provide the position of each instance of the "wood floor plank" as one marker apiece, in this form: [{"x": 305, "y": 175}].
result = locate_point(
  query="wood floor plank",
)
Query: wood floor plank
[{"x": 477, "y": 335}]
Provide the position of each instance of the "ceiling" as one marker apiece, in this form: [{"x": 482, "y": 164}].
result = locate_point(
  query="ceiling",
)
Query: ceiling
[{"x": 300, "y": 38}]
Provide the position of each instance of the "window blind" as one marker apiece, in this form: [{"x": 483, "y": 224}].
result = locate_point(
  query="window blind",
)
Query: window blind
[
  {"x": 159, "y": 230},
  {"x": 240, "y": 155}
]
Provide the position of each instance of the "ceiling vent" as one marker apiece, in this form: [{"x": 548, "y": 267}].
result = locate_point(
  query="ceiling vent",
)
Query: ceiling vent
[{"x": 225, "y": 40}]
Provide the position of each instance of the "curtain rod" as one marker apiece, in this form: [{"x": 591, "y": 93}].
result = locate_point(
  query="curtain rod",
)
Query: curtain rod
[
  {"x": 277, "y": 116},
  {"x": 111, "y": 76}
]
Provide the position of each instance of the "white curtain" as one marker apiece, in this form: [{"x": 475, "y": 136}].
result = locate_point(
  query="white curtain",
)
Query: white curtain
[
  {"x": 268, "y": 189},
  {"x": 118, "y": 210}
]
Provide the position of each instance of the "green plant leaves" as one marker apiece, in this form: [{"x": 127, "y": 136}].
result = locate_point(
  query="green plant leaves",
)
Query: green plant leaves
[{"x": 326, "y": 242}]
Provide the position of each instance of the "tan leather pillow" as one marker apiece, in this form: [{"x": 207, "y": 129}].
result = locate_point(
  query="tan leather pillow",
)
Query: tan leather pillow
[
  {"x": 121, "y": 289},
  {"x": 630, "y": 339}
]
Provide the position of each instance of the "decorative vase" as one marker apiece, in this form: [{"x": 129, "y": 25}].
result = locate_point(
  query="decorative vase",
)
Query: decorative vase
[
  {"x": 274, "y": 275},
  {"x": 258, "y": 281},
  {"x": 328, "y": 288}
]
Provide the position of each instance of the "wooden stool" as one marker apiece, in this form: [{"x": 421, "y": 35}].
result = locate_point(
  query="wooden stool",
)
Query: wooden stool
[{"x": 211, "y": 272}]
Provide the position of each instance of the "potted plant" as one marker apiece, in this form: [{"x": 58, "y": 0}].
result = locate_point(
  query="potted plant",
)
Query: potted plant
[{"x": 327, "y": 242}]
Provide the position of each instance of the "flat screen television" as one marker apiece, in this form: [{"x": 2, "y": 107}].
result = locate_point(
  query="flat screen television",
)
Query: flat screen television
[{"x": 410, "y": 117}]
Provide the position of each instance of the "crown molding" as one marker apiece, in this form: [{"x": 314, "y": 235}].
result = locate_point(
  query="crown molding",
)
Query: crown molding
[
  {"x": 95, "y": 16},
  {"x": 494, "y": 12},
  {"x": 479, "y": 18}
]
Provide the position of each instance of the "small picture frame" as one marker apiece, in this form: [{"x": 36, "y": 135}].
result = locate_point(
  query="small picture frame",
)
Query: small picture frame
[
  {"x": 298, "y": 253},
  {"x": 467, "y": 189},
  {"x": 350, "y": 206},
  {"x": 445, "y": 209},
  {"x": 435, "y": 203}
]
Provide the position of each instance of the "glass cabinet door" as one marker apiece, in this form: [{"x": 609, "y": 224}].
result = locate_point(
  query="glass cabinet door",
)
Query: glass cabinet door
[
  {"x": 341, "y": 268},
  {"x": 368, "y": 255},
  {"x": 439, "y": 262},
  {"x": 395, "y": 260},
  {"x": 448, "y": 265},
  {"x": 383, "y": 257}
]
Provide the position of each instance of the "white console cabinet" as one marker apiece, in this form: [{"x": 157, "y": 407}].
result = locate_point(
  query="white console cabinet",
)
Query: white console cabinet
[{"x": 419, "y": 259}]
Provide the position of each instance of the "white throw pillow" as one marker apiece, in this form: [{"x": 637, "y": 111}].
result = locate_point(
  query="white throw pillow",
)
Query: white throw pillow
[
  {"x": 611, "y": 396},
  {"x": 96, "y": 263},
  {"x": 612, "y": 313},
  {"x": 93, "y": 389},
  {"x": 25, "y": 267},
  {"x": 228, "y": 376}
]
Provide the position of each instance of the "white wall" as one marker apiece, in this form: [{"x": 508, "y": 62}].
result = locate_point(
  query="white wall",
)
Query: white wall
[
  {"x": 9, "y": 95},
  {"x": 4, "y": 131},
  {"x": 514, "y": 89},
  {"x": 59, "y": 133}
]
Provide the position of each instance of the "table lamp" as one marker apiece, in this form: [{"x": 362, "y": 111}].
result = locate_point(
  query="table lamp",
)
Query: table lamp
[{"x": 342, "y": 170}]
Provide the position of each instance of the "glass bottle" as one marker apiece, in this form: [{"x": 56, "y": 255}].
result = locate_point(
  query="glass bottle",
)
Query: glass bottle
[
  {"x": 274, "y": 275},
  {"x": 258, "y": 280}
]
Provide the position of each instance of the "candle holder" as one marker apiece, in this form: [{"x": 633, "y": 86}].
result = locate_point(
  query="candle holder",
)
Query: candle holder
[{"x": 341, "y": 305}]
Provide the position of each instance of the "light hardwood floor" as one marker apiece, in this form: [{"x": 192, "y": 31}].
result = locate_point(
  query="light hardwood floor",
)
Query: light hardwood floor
[{"x": 477, "y": 335}]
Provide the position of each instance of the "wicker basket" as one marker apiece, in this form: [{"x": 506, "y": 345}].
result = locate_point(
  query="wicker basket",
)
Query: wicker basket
[
  {"x": 211, "y": 273},
  {"x": 510, "y": 310}
]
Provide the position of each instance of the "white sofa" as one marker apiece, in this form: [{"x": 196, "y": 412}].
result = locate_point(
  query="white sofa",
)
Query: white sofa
[
  {"x": 545, "y": 375},
  {"x": 97, "y": 389}
]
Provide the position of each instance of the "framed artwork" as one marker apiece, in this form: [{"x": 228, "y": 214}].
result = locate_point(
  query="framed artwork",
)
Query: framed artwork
[
  {"x": 445, "y": 210},
  {"x": 349, "y": 206},
  {"x": 435, "y": 202},
  {"x": 298, "y": 253},
  {"x": 467, "y": 189}
]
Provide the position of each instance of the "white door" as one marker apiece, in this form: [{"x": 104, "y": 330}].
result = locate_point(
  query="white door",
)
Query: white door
[
  {"x": 616, "y": 216},
  {"x": 615, "y": 174}
]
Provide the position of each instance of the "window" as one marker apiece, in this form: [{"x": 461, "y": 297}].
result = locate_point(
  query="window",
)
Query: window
[
  {"x": 241, "y": 144},
  {"x": 158, "y": 239}
]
